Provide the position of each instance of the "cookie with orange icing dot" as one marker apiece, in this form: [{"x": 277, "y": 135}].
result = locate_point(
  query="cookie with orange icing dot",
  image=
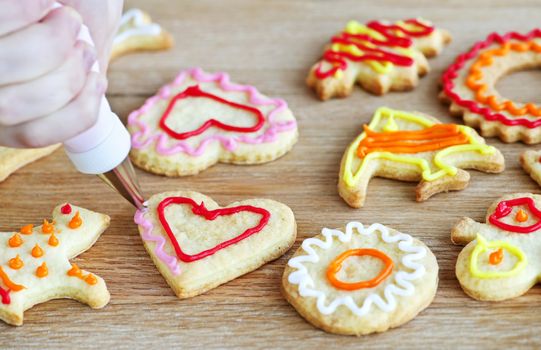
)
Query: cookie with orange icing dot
[
  {"x": 380, "y": 56},
  {"x": 414, "y": 147},
  {"x": 361, "y": 279},
  {"x": 500, "y": 259},
  {"x": 531, "y": 163},
  {"x": 469, "y": 86},
  {"x": 35, "y": 266}
]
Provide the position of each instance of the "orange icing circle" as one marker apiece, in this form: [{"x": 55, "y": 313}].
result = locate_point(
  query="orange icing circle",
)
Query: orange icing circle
[
  {"x": 521, "y": 216},
  {"x": 27, "y": 229},
  {"x": 75, "y": 271},
  {"x": 16, "y": 263},
  {"x": 76, "y": 221},
  {"x": 42, "y": 271},
  {"x": 487, "y": 59},
  {"x": 47, "y": 227},
  {"x": 37, "y": 252},
  {"x": 336, "y": 265},
  {"x": 53, "y": 241},
  {"x": 432, "y": 138},
  {"x": 496, "y": 257},
  {"x": 15, "y": 241}
]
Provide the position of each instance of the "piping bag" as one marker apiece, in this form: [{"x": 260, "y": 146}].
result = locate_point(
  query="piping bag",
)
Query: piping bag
[{"x": 103, "y": 149}]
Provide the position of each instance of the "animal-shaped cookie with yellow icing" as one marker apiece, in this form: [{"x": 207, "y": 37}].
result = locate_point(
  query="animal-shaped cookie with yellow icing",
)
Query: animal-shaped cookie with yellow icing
[
  {"x": 380, "y": 56},
  {"x": 411, "y": 146},
  {"x": 35, "y": 266},
  {"x": 360, "y": 280},
  {"x": 501, "y": 259}
]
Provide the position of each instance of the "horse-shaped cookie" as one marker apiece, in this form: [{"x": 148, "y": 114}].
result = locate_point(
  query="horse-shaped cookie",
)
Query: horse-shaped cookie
[{"x": 414, "y": 147}]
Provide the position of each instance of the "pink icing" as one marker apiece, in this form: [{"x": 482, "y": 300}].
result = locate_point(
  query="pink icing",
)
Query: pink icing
[
  {"x": 171, "y": 261},
  {"x": 143, "y": 138}
]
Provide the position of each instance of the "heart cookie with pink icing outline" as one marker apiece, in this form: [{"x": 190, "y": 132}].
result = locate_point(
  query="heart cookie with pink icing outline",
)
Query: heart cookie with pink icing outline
[
  {"x": 198, "y": 245},
  {"x": 201, "y": 119}
]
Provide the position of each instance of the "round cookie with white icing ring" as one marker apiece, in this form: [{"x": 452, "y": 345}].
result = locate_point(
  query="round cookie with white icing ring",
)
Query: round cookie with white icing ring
[{"x": 360, "y": 280}]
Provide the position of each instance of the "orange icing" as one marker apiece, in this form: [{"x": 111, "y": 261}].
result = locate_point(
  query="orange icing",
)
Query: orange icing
[
  {"x": 37, "y": 252},
  {"x": 76, "y": 221},
  {"x": 53, "y": 241},
  {"x": 16, "y": 262},
  {"x": 476, "y": 74},
  {"x": 75, "y": 271},
  {"x": 27, "y": 229},
  {"x": 14, "y": 287},
  {"x": 47, "y": 227},
  {"x": 42, "y": 271},
  {"x": 91, "y": 279},
  {"x": 521, "y": 216},
  {"x": 496, "y": 257},
  {"x": 432, "y": 138},
  {"x": 15, "y": 241},
  {"x": 336, "y": 265}
]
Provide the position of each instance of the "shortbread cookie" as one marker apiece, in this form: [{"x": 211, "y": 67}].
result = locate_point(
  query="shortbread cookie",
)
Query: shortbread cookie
[
  {"x": 198, "y": 245},
  {"x": 360, "y": 280},
  {"x": 501, "y": 258},
  {"x": 469, "y": 85},
  {"x": 12, "y": 159},
  {"x": 200, "y": 119},
  {"x": 35, "y": 266},
  {"x": 531, "y": 163},
  {"x": 137, "y": 33},
  {"x": 380, "y": 56},
  {"x": 414, "y": 147}
]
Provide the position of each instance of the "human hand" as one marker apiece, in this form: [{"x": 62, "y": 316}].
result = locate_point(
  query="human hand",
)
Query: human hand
[{"x": 48, "y": 93}]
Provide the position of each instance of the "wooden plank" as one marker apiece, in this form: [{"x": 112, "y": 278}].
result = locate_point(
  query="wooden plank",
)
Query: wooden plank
[{"x": 271, "y": 44}]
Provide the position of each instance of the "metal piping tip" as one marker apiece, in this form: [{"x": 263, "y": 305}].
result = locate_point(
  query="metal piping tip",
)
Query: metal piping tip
[{"x": 123, "y": 180}]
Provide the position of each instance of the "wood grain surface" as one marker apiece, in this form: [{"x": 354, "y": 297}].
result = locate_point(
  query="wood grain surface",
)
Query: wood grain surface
[{"x": 272, "y": 44}]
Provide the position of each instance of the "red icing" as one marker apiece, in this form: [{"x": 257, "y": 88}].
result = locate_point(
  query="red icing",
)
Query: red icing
[
  {"x": 504, "y": 208},
  {"x": 392, "y": 39},
  {"x": 6, "y": 299},
  {"x": 199, "y": 209},
  {"x": 194, "y": 92},
  {"x": 452, "y": 72},
  {"x": 66, "y": 209}
]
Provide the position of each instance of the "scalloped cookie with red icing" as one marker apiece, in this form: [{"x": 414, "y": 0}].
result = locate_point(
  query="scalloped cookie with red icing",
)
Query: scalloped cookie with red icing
[
  {"x": 201, "y": 119},
  {"x": 198, "y": 245},
  {"x": 469, "y": 86},
  {"x": 380, "y": 56},
  {"x": 35, "y": 266},
  {"x": 411, "y": 146}
]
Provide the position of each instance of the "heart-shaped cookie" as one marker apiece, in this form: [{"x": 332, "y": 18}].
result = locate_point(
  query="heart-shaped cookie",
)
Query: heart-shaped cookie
[
  {"x": 197, "y": 245},
  {"x": 200, "y": 119}
]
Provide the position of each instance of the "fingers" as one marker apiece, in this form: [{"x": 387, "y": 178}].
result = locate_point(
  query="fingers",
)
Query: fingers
[
  {"x": 18, "y": 14},
  {"x": 71, "y": 120},
  {"x": 39, "y": 48},
  {"x": 24, "y": 102}
]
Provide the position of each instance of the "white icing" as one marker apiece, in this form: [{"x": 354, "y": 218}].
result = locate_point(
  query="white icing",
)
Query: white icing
[
  {"x": 132, "y": 24},
  {"x": 401, "y": 287}
]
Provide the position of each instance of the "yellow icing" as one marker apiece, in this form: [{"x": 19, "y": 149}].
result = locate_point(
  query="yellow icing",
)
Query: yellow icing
[
  {"x": 483, "y": 245},
  {"x": 439, "y": 158}
]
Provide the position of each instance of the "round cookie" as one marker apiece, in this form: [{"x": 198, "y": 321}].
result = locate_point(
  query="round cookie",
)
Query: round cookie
[
  {"x": 469, "y": 85},
  {"x": 360, "y": 280}
]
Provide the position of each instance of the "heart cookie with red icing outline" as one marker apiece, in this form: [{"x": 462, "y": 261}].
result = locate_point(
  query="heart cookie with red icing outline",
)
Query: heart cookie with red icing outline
[{"x": 198, "y": 245}]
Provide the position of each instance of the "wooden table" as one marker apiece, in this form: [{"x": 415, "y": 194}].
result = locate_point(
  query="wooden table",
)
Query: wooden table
[{"x": 271, "y": 44}]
